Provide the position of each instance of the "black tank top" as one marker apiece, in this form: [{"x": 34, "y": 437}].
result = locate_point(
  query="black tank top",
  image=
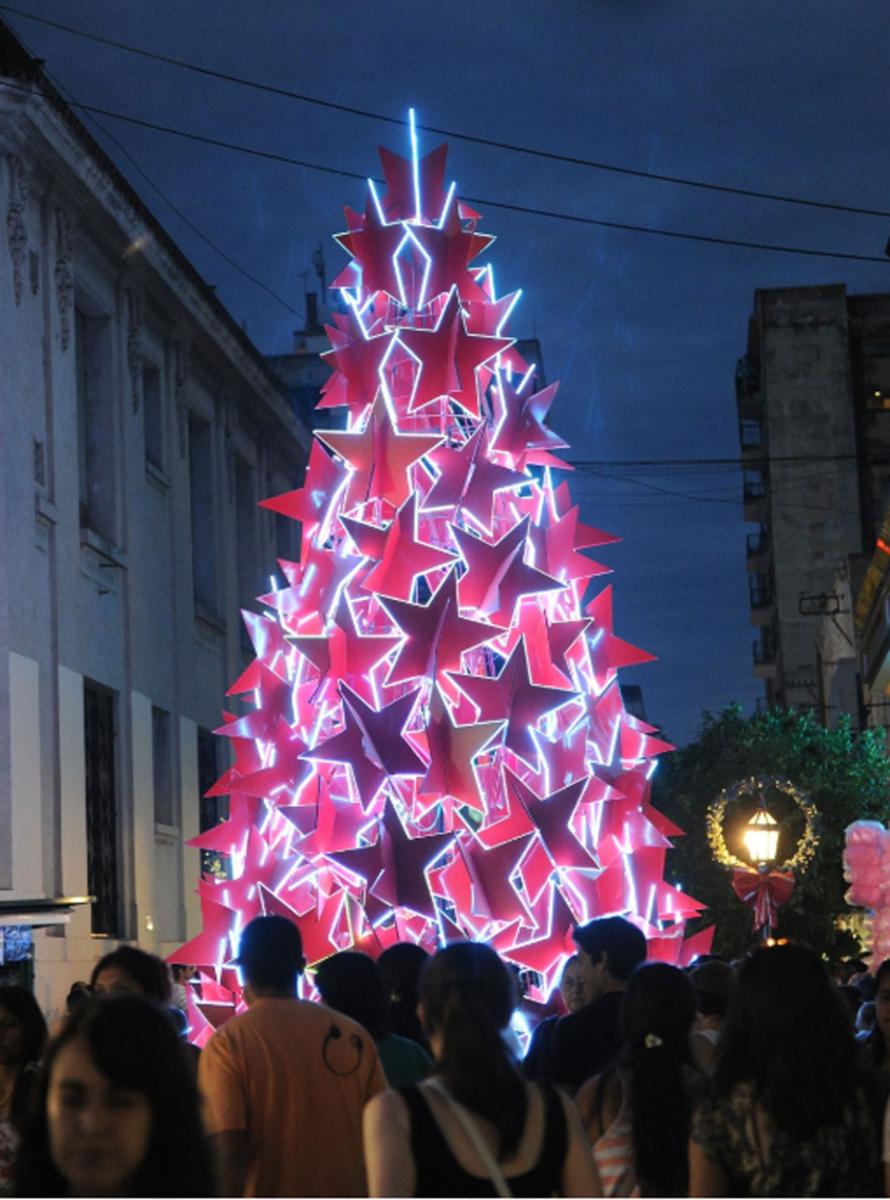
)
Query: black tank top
[{"x": 440, "y": 1174}]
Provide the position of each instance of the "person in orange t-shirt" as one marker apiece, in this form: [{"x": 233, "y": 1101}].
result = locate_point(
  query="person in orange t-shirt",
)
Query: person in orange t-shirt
[{"x": 285, "y": 1083}]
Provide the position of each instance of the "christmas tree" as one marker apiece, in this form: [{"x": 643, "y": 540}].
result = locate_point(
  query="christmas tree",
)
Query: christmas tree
[{"x": 435, "y": 745}]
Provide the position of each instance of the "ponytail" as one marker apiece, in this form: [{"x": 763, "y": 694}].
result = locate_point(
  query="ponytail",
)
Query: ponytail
[
  {"x": 656, "y": 1017},
  {"x": 661, "y": 1112},
  {"x": 468, "y": 997}
]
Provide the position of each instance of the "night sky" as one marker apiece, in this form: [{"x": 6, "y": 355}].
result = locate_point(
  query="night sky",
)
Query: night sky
[{"x": 643, "y": 331}]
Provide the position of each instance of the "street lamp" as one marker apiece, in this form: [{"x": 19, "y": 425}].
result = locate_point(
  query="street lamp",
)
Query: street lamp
[
  {"x": 761, "y": 838},
  {"x": 762, "y": 882}
]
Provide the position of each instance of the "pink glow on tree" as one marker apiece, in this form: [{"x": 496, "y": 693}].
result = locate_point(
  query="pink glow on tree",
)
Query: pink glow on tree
[{"x": 434, "y": 745}]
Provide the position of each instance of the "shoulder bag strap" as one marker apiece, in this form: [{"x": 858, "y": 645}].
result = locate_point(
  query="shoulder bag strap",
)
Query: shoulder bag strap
[{"x": 470, "y": 1128}]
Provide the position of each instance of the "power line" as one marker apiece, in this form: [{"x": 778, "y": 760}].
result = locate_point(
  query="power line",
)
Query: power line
[
  {"x": 179, "y": 213},
  {"x": 163, "y": 195},
  {"x": 753, "y": 463},
  {"x": 698, "y": 498},
  {"x": 486, "y": 203},
  {"x": 477, "y": 139}
]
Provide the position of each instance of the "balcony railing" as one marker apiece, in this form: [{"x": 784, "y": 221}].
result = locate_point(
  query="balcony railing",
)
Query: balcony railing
[
  {"x": 757, "y": 543},
  {"x": 760, "y": 591},
  {"x": 765, "y": 649}
]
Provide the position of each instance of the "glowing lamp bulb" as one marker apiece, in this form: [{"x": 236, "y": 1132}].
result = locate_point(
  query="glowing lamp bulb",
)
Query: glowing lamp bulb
[{"x": 761, "y": 837}]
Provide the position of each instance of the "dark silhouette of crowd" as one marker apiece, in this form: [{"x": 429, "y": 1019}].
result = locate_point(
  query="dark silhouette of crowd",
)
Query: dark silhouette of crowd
[{"x": 761, "y": 1077}]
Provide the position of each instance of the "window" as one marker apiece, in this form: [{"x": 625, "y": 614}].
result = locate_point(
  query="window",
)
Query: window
[
  {"x": 95, "y": 422},
  {"x": 202, "y": 495},
  {"x": 245, "y": 533},
  {"x": 213, "y": 808},
  {"x": 101, "y": 808},
  {"x": 162, "y": 768},
  {"x": 153, "y": 416}
]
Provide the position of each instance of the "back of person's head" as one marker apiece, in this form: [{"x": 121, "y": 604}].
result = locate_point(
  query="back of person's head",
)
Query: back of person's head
[
  {"x": 788, "y": 1036},
  {"x": 21, "y": 1004},
  {"x": 270, "y": 954},
  {"x": 619, "y": 940},
  {"x": 79, "y": 996},
  {"x": 400, "y": 966},
  {"x": 467, "y": 997},
  {"x": 657, "y": 1012},
  {"x": 712, "y": 981},
  {"x": 851, "y": 1000},
  {"x": 129, "y": 970},
  {"x": 877, "y": 1044},
  {"x": 130, "y": 1042},
  {"x": 350, "y": 982}
]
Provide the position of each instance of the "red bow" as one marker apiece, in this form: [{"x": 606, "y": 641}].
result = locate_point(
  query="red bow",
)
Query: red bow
[{"x": 764, "y": 891}]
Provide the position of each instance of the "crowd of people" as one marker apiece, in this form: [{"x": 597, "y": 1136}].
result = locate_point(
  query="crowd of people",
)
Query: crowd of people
[{"x": 764, "y": 1077}]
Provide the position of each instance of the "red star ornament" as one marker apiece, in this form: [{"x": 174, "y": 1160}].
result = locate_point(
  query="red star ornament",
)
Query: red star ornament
[
  {"x": 452, "y": 749},
  {"x": 372, "y": 743},
  {"x": 399, "y": 202},
  {"x": 608, "y": 652},
  {"x": 356, "y": 357},
  {"x": 310, "y": 503},
  {"x": 274, "y": 703},
  {"x": 556, "y": 551},
  {"x": 552, "y": 816},
  {"x": 394, "y": 867},
  {"x": 451, "y": 249},
  {"x": 373, "y": 246},
  {"x": 520, "y": 430},
  {"x": 286, "y": 770},
  {"x": 269, "y": 644},
  {"x": 210, "y": 948},
  {"x": 563, "y": 759},
  {"x": 450, "y": 358},
  {"x": 330, "y": 823},
  {"x": 436, "y": 635},
  {"x": 606, "y": 712},
  {"x": 490, "y": 871},
  {"x": 513, "y": 695},
  {"x": 548, "y": 643},
  {"x": 404, "y": 556},
  {"x": 497, "y": 576},
  {"x": 314, "y": 588},
  {"x": 489, "y": 316},
  {"x": 547, "y": 952},
  {"x": 380, "y": 456},
  {"x": 343, "y": 654},
  {"x": 468, "y": 479}
]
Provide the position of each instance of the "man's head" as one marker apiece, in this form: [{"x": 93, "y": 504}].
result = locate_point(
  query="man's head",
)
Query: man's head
[
  {"x": 270, "y": 956},
  {"x": 608, "y": 950}
]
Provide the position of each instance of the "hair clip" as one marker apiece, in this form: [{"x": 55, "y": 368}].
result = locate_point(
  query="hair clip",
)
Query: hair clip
[{"x": 652, "y": 1041}]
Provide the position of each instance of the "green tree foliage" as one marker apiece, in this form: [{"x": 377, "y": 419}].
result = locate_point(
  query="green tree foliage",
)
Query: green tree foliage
[{"x": 846, "y": 775}]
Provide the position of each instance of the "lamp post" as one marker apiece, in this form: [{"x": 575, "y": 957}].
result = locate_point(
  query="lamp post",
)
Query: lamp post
[
  {"x": 762, "y": 883},
  {"x": 761, "y": 838}
]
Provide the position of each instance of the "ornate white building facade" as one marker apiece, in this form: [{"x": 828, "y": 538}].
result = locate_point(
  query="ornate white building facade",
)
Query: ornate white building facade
[{"x": 139, "y": 427}]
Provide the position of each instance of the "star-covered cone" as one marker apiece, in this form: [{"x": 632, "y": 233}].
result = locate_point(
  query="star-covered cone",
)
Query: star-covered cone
[{"x": 434, "y": 743}]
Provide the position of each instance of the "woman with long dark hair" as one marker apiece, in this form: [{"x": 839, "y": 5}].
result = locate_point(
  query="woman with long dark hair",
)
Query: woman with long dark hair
[
  {"x": 638, "y": 1112},
  {"x": 475, "y": 1128},
  {"x": 400, "y": 965},
  {"x": 116, "y": 1111},
  {"x": 790, "y": 1112},
  {"x": 22, "y": 1039}
]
